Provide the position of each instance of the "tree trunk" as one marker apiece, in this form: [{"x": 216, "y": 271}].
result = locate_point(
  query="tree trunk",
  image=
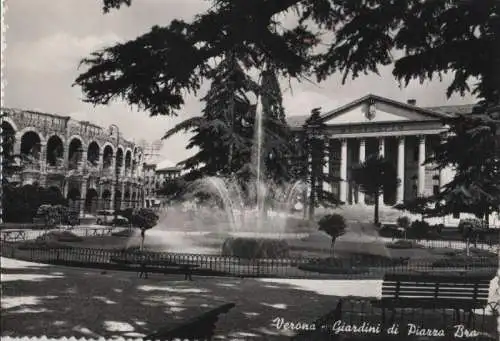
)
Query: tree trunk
[
  {"x": 332, "y": 247},
  {"x": 375, "y": 214}
]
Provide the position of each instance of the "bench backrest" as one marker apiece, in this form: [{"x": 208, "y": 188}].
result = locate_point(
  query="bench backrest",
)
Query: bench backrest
[{"x": 437, "y": 286}]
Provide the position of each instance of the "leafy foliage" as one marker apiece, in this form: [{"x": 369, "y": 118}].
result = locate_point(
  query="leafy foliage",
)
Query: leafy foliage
[
  {"x": 309, "y": 161},
  {"x": 420, "y": 229},
  {"x": 375, "y": 176},
  {"x": 418, "y": 205},
  {"x": 20, "y": 204},
  {"x": 421, "y": 39},
  {"x": 145, "y": 218},
  {"x": 403, "y": 222},
  {"x": 332, "y": 224},
  {"x": 470, "y": 149},
  {"x": 224, "y": 135}
]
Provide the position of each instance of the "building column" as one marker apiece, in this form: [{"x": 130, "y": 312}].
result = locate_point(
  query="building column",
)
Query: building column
[
  {"x": 362, "y": 158},
  {"x": 43, "y": 157},
  {"x": 401, "y": 170},
  {"x": 381, "y": 147},
  {"x": 381, "y": 153},
  {"x": 83, "y": 196},
  {"x": 83, "y": 160},
  {"x": 113, "y": 195},
  {"x": 421, "y": 167},
  {"x": 122, "y": 204},
  {"x": 65, "y": 156},
  {"x": 343, "y": 171},
  {"x": 326, "y": 165}
]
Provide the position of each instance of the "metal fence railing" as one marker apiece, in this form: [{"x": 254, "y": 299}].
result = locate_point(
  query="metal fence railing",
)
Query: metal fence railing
[{"x": 300, "y": 267}]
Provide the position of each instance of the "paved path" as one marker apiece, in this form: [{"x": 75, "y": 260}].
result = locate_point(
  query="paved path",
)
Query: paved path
[{"x": 58, "y": 301}]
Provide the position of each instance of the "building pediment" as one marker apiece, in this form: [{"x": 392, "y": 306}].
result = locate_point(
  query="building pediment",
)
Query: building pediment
[{"x": 377, "y": 109}]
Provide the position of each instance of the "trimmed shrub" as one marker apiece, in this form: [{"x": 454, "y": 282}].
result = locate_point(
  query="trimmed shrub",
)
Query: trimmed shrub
[
  {"x": 332, "y": 224},
  {"x": 252, "y": 248},
  {"x": 60, "y": 236},
  {"x": 404, "y": 222},
  {"x": 419, "y": 229},
  {"x": 403, "y": 244},
  {"x": 389, "y": 232}
]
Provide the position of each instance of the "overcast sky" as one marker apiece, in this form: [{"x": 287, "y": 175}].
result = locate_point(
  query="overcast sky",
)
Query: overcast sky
[{"x": 47, "y": 38}]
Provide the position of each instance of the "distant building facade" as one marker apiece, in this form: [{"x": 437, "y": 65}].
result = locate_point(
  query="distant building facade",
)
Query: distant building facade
[
  {"x": 402, "y": 132},
  {"x": 88, "y": 165},
  {"x": 156, "y": 172}
]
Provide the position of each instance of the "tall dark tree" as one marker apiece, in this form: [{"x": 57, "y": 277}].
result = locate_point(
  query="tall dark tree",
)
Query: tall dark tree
[
  {"x": 375, "y": 176},
  {"x": 421, "y": 39},
  {"x": 309, "y": 162},
  {"x": 222, "y": 134},
  {"x": 435, "y": 37},
  {"x": 470, "y": 150},
  {"x": 276, "y": 140}
]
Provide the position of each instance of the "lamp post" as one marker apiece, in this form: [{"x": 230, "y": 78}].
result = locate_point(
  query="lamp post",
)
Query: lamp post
[{"x": 116, "y": 168}]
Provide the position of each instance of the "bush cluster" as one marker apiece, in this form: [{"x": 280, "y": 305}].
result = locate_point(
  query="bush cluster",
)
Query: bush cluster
[{"x": 252, "y": 248}]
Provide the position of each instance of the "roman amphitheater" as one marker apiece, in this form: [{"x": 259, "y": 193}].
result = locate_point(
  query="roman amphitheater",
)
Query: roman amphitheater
[{"x": 90, "y": 165}]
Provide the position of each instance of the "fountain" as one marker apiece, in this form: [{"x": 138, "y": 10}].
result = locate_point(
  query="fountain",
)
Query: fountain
[
  {"x": 256, "y": 215},
  {"x": 250, "y": 222}
]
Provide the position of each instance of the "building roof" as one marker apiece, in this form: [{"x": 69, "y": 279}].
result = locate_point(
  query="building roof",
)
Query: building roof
[
  {"x": 167, "y": 165},
  {"x": 161, "y": 164},
  {"x": 437, "y": 112},
  {"x": 454, "y": 109}
]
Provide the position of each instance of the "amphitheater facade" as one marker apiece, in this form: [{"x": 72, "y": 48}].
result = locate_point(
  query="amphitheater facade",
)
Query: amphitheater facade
[{"x": 91, "y": 166}]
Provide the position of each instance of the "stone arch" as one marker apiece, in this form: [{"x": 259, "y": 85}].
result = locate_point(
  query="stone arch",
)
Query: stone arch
[
  {"x": 107, "y": 156},
  {"x": 93, "y": 153},
  {"x": 8, "y": 138},
  {"x": 118, "y": 200},
  {"x": 91, "y": 200},
  {"x": 119, "y": 158},
  {"x": 134, "y": 199},
  {"x": 75, "y": 152},
  {"x": 106, "y": 199},
  {"x": 128, "y": 159},
  {"x": 126, "y": 199},
  {"x": 74, "y": 199},
  {"x": 31, "y": 146},
  {"x": 10, "y": 121},
  {"x": 55, "y": 151}
]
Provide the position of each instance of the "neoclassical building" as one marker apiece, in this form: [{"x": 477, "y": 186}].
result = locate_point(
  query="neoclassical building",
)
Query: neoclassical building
[
  {"x": 90, "y": 165},
  {"x": 403, "y": 132}
]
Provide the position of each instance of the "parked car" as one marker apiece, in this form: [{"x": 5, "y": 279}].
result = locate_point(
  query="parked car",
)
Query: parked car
[{"x": 107, "y": 217}]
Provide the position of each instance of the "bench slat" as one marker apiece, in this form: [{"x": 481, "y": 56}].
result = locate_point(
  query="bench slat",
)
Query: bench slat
[
  {"x": 429, "y": 303},
  {"x": 430, "y": 284},
  {"x": 415, "y": 295},
  {"x": 433, "y": 291},
  {"x": 437, "y": 277}
]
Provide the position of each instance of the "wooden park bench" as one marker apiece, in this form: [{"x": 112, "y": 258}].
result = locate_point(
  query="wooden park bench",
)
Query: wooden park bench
[
  {"x": 201, "y": 327},
  {"x": 457, "y": 291},
  {"x": 148, "y": 265}
]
